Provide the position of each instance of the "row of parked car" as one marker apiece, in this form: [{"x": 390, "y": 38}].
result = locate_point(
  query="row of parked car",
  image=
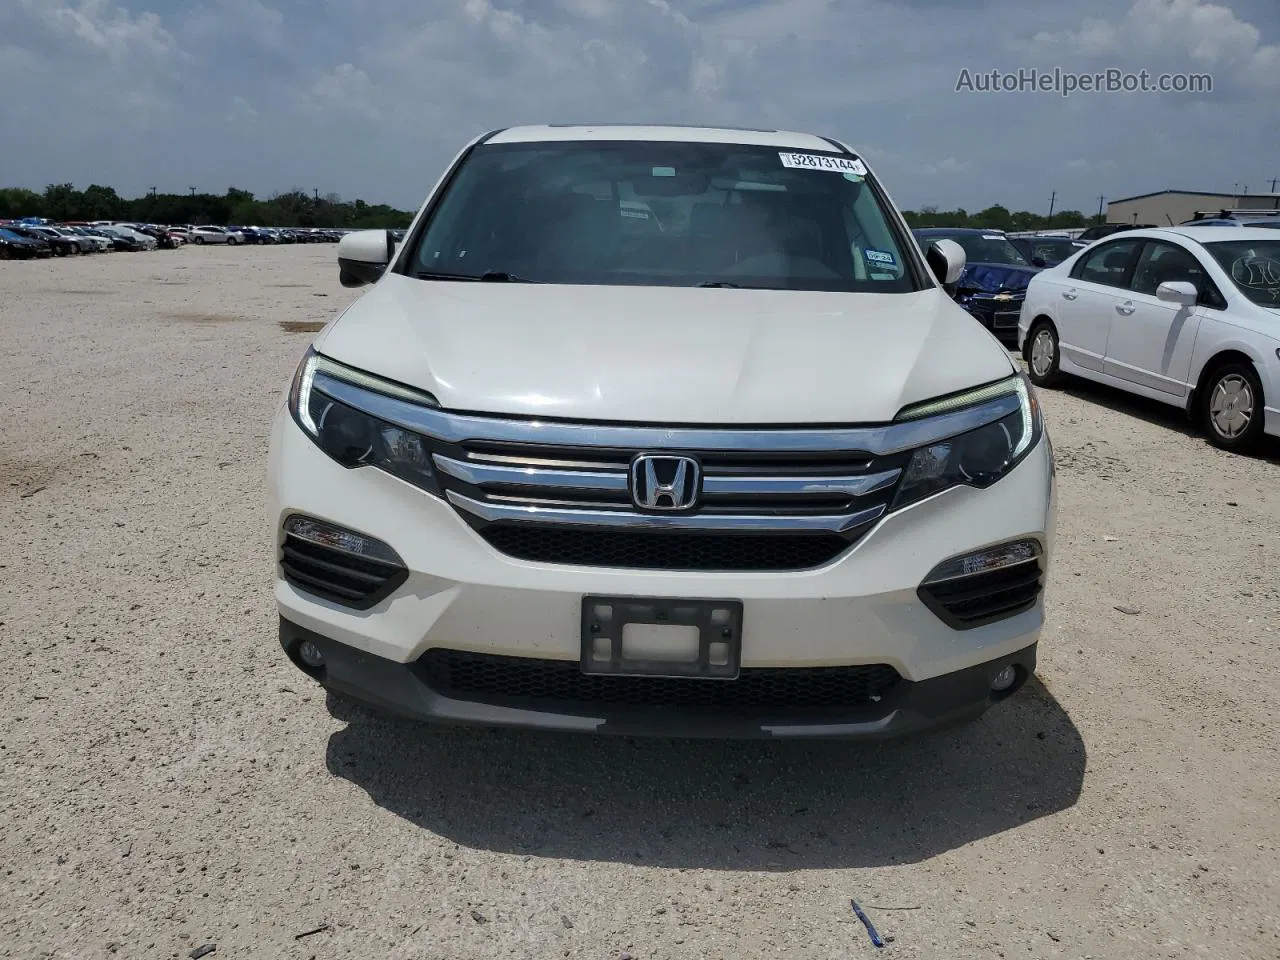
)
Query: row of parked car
[
  {"x": 37, "y": 238},
  {"x": 259, "y": 235}
]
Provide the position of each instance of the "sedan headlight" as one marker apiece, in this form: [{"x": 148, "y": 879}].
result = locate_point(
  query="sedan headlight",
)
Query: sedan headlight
[
  {"x": 353, "y": 437},
  {"x": 979, "y": 457}
]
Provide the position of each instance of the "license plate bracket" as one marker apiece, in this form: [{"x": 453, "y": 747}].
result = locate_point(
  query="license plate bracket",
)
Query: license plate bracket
[{"x": 718, "y": 624}]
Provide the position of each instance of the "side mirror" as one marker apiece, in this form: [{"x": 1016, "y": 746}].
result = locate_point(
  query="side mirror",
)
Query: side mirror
[
  {"x": 1181, "y": 292},
  {"x": 946, "y": 259},
  {"x": 363, "y": 256}
]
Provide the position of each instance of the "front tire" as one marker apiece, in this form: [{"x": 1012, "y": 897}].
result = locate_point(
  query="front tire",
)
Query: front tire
[
  {"x": 1043, "y": 355},
  {"x": 1231, "y": 407},
  {"x": 199, "y": 240}
]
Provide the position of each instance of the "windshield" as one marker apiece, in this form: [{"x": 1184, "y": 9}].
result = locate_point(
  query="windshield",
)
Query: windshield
[
  {"x": 982, "y": 247},
  {"x": 1053, "y": 250},
  {"x": 664, "y": 214},
  {"x": 1253, "y": 265}
]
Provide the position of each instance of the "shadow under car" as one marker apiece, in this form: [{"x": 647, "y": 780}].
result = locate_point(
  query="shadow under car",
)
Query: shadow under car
[{"x": 715, "y": 804}]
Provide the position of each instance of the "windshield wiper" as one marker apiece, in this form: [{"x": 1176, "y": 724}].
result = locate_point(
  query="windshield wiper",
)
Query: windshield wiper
[
  {"x": 489, "y": 276},
  {"x": 720, "y": 283}
]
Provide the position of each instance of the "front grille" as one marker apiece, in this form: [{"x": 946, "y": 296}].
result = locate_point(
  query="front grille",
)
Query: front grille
[
  {"x": 1000, "y": 314},
  {"x": 519, "y": 680},
  {"x": 756, "y": 509},
  {"x": 967, "y": 602},
  {"x": 594, "y": 547},
  {"x": 353, "y": 581}
]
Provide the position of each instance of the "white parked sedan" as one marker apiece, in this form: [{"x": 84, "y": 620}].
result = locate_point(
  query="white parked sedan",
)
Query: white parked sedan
[{"x": 1187, "y": 315}]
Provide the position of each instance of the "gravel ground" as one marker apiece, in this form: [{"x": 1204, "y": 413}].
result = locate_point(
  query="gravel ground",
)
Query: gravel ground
[{"x": 168, "y": 780}]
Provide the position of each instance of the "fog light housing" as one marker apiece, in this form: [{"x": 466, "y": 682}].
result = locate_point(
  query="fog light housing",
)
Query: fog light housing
[
  {"x": 310, "y": 654},
  {"x": 975, "y": 589},
  {"x": 1004, "y": 678},
  {"x": 340, "y": 538},
  {"x": 985, "y": 561}
]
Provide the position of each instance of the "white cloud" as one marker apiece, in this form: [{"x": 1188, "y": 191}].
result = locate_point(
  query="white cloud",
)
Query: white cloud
[
  {"x": 241, "y": 111},
  {"x": 1199, "y": 35},
  {"x": 949, "y": 165},
  {"x": 346, "y": 89},
  {"x": 248, "y": 21},
  {"x": 103, "y": 28}
]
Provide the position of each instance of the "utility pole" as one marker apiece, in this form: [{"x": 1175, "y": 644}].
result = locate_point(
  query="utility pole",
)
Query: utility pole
[
  {"x": 1274, "y": 181},
  {"x": 1052, "y": 199},
  {"x": 317, "y": 193},
  {"x": 193, "y": 191},
  {"x": 1101, "y": 201},
  {"x": 153, "y": 193}
]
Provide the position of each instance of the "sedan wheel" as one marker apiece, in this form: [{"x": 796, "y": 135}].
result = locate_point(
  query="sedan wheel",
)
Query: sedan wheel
[
  {"x": 1232, "y": 407},
  {"x": 1042, "y": 355}
]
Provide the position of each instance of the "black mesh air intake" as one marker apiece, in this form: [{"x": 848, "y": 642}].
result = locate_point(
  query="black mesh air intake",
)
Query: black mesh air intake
[
  {"x": 520, "y": 680},
  {"x": 353, "y": 581},
  {"x": 981, "y": 598},
  {"x": 600, "y": 547}
]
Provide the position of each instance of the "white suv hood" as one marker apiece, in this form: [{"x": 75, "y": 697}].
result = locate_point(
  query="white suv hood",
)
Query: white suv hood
[{"x": 665, "y": 354}]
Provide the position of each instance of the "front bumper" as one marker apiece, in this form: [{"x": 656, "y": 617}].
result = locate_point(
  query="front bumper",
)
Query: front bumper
[
  {"x": 409, "y": 690},
  {"x": 461, "y": 594},
  {"x": 998, "y": 316}
]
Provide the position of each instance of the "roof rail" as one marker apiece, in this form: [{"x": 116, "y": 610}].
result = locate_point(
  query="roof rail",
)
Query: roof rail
[{"x": 1221, "y": 214}]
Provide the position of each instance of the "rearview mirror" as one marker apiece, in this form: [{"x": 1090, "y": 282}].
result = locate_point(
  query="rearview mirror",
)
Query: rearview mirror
[
  {"x": 1181, "y": 292},
  {"x": 946, "y": 259},
  {"x": 1039, "y": 262},
  {"x": 363, "y": 256}
]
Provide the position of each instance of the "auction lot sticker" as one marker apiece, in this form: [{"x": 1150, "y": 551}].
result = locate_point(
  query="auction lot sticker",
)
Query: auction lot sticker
[{"x": 818, "y": 161}]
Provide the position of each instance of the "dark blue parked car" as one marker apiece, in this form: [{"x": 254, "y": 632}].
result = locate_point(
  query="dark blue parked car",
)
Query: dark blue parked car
[
  {"x": 995, "y": 278},
  {"x": 16, "y": 245}
]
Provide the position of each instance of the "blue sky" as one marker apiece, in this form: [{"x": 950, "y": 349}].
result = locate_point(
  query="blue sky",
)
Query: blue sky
[{"x": 371, "y": 98}]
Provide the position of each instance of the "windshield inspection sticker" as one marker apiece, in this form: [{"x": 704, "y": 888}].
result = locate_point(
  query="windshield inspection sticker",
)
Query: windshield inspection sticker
[
  {"x": 816, "y": 161},
  {"x": 880, "y": 256}
]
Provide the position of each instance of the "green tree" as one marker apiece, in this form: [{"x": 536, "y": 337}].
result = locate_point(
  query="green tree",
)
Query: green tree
[
  {"x": 62, "y": 201},
  {"x": 18, "y": 202}
]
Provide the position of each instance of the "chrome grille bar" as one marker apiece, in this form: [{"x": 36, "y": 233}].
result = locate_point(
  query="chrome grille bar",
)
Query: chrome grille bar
[
  {"x": 857, "y": 486},
  {"x": 489, "y": 474},
  {"x": 627, "y": 519}
]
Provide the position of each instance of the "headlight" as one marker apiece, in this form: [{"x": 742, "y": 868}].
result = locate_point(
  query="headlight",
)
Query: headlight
[
  {"x": 352, "y": 437},
  {"x": 979, "y": 457}
]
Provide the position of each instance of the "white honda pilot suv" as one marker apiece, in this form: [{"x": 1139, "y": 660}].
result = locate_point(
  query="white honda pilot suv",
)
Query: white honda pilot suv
[{"x": 661, "y": 430}]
